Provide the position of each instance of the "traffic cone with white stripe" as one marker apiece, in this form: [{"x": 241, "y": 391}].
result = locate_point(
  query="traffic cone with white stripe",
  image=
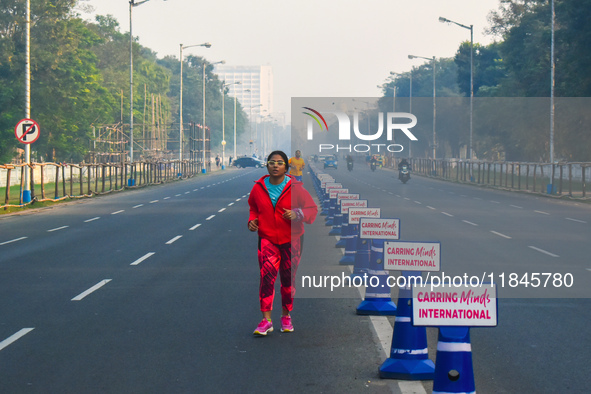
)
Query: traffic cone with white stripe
[
  {"x": 362, "y": 253},
  {"x": 342, "y": 242},
  {"x": 453, "y": 368},
  {"x": 378, "y": 301},
  {"x": 351, "y": 246},
  {"x": 409, "y": 355},
  {"x": 337, "y": 223}
]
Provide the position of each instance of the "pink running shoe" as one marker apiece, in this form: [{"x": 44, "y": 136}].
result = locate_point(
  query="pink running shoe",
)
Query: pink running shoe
[
  {"x": 263, "y": 328},
  {"x": 286, "y": 325}
]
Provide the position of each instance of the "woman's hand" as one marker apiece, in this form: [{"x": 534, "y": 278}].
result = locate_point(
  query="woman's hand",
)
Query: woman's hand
[
  {"x": 253, "y": 225},
  {"x": 289, "y": 214}
]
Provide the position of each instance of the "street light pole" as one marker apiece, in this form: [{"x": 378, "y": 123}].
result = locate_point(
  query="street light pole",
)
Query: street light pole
[
  {"x": 434, "y": 105},
  {"x": 207, "y": 45},
  {"x": 224, "y": 84},
  {"x": 203, "y": 170},
  {"x": 471, "y": 28},
  {"x": 27, "y": 189}
]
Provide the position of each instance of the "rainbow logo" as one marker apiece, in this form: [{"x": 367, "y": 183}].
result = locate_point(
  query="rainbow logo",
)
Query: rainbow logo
[{"x": 315, "y": 118}]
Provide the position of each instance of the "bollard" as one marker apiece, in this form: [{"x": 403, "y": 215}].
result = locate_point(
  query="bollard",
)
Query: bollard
[
  {"x": 377, "y": 292},
  {"x": 454, "y": 372},
  {"x": 409, "y": 356}
]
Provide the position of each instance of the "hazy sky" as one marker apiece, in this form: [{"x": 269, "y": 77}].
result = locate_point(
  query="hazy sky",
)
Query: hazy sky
[{"x": 322, "y": 48}]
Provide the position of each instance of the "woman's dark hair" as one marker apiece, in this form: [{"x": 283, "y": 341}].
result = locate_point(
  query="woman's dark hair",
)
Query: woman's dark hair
[{"x": 283, "y": 156}]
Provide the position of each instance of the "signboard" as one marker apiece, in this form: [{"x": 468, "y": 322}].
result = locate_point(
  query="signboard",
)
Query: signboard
[
  {"x": 379, "y": 228},
  {"x": 451, "y": 305},
  {"x": 356, "y": 213},
  {"x": 347, "y": 196},
  {"x": 333, "y": 193},
  {"x": 27, "y": 131},
  {"x": 333, "y": 185},
  {"x": 412, "y": 256},
  {"x": 346, "y": 204}
]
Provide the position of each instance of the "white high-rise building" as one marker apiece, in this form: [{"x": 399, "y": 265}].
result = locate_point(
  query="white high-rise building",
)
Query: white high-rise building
[{"x": 255, "y": 88}]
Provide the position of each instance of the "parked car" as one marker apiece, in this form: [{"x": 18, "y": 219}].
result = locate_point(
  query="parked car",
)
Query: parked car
[
  {"x": 331, "y": 161},
  {"x": 243, "y": 162}
]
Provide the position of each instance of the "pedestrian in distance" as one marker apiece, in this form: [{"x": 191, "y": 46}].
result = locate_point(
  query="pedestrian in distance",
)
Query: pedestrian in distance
[
  {"x": 217, "y": 160},
  {"x": 296, "y": 166},
  {"x": 279, "y": 207}
]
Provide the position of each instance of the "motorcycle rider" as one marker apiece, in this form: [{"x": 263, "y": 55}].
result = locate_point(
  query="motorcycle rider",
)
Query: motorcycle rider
[
  {"x": 373, "y": 163},
  {"x": 349, "y": 159},
  {"x": 403, "y": 163}
]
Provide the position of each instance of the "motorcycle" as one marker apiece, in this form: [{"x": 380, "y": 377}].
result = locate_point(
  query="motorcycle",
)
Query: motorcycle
[
  {"x": 373, "y": 165},
  {"x": 350, "y": 165},
  {"x": 404, "y": 174}
]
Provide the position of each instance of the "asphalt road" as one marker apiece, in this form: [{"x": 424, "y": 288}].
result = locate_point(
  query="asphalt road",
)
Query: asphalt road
[
  {"x": 156, "y": 291},
  {"x": 541, "y": 343},
  {"x": 179, "y": 292}
]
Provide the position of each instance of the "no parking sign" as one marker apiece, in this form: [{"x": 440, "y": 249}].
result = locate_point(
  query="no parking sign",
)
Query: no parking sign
[{"x": 27, "y": 131}]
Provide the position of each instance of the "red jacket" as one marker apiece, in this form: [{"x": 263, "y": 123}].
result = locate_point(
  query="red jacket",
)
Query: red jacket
[{"x": 272, "y": 225}]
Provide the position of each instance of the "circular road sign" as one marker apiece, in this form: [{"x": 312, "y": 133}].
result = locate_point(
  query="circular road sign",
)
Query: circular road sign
[{"x": 27, "y": 131}]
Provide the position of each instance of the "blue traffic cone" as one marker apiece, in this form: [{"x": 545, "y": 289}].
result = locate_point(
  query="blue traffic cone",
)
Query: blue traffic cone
[
  {"x": 342, "y": 242},
  {"x": 362, "y": 253},
  {"x": 409, "y": 355},
  {"x": 377, "y": 294},
  {"x": 332, "y": 210},
  {"x": 351, "y": 247},
  {"x": 337, "y": 223},
  {"x": 453, "y": 369}
]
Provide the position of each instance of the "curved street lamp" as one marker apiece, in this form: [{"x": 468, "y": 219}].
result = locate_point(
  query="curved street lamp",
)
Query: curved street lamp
[
  {"x": 207, "y": 45},
  {"x": 203, "y": 170},
  {"x": 471, "y": 28},
  {"x": 434, "y": 106}
]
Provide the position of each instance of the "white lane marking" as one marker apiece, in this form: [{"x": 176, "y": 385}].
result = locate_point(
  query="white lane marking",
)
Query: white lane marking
[
  {"x": 391, "y": 193},
  {"x": 230, "y": 204},
  {"x": 412, "y": 387},
  {"x": 588, "y": 269},
  {"x": 222, "y": 210},
  {"x": 576, "y": 220},
  {"x": 463, "y": 195},
  {"x": 208, "y": 185},
  {"x": 15, "y": 337},
  {"x": 211, "y": 217},
  {"x": 478, "y": 198},
  {"x": 494, "y": 202},
  {"x": 92, "y": 220},
  {"x": 137, "y": 206},
  {"x": 115, "y": 213},
  {"x": 203, "y": 188},
  {"x": 147, "y": 255},
  {"x": 166, "y": 198},
  {"x": 187, "y": 192},
  {"x": 542, "y": 212},
  {"x": 418, "y": 202},
  {"x": 406, "y": 198},
  {"x": 430, "y": 207},
  {"x": 177, "y": 195},
  {"x": 92, "y": 289},
  {"x": 195, "y": 190},
  {"x": 174, "y": 239},
  {"x": 57, "y": 228},
  {"x": 152, "y": 202},
  {"x": 194, "y": 227},
  {"x": 448, "y": 214},
  {"x": 245, "y": 195},
  {"x": 470, "y": 223},
  {"x": 238, "y": 199},
  {"x": 397, "y": 195},
  {"x": 13, "y": 240},
  {"x": 500, "y": 235},
  {"x": 544, "y": 251},
  {"x": 516, "y": 206}
]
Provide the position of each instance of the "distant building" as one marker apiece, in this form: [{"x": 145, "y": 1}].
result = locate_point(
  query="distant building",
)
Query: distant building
[{"x": 255, "y": 88}]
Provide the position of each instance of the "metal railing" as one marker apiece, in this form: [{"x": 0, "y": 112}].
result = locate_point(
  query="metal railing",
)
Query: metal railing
[
  {"x": 56, "y": 182},
  {"x": 559, "y": 179}
]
